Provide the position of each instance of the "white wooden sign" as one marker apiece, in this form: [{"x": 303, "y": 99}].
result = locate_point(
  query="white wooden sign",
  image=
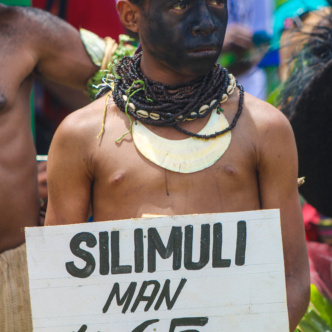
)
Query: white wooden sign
[{"x": 206, "y": 273}]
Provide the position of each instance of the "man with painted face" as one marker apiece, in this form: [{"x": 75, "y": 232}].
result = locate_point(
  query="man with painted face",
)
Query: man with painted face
[{"x": 179, "y": 136}]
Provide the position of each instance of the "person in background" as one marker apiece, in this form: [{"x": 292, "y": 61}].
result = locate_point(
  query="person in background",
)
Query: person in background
[
  {"x": 247, "y": 39},
  {"x": 33, "y": 43},
  {"x": 306, "y": 70},
  {"x": 293, "y": 16},
  {"x": 53, "y": 101}
]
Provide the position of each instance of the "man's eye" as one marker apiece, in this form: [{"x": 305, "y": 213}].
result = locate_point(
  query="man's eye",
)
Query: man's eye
[
  {"x": 216, "y": 2},
  {"x": 181, "y": 5}
]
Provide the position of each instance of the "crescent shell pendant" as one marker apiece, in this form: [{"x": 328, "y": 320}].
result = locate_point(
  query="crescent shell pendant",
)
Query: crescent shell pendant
[{"x": 188, "y": 155}]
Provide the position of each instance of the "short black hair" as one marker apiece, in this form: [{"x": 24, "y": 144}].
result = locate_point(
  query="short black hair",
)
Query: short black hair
[{"x": 138, "y": 3}]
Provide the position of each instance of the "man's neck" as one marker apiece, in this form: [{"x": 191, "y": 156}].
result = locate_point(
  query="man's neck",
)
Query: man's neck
[{"x": 160, "y": 72}]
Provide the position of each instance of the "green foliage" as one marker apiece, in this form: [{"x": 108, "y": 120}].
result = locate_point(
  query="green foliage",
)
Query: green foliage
[
  {"x": 318, "y": 317},
  {"x": 125, "y": 48},
  {"x": 280, "y": 2},
  {"x": 94, "y": 82},
  {"x": 274, "y": 96},
  {"x": 106, "y": 77},
  {"x": 94, "y": 45}
]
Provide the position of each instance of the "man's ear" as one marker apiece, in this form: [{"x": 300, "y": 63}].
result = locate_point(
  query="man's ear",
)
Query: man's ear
[{"x": 129, "y": 14}]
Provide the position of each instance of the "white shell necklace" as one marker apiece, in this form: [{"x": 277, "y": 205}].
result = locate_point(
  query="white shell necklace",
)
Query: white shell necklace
[{"x": 187, "y": 155}]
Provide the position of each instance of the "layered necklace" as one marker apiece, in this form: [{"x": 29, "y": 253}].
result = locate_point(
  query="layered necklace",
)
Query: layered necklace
[
  {"x": 162, "y": 105},
  {"x": 157, "y": 104}
]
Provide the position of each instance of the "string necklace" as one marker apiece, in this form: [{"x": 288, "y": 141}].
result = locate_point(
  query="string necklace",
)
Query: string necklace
[{"x": 157, "y": 104}]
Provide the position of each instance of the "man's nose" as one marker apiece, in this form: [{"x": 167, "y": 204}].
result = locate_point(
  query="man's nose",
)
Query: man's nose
[{"x": 205, "y": 23}]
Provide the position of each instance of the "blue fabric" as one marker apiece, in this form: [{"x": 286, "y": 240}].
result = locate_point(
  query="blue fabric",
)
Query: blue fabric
[{"x": 271, "y": 59}]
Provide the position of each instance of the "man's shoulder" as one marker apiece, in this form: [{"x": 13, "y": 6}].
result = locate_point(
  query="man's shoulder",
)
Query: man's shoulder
[
  {"x": 273, "y": 131},
  {"x": 8, "y": 11},
  {"x": 14, "y": 15},
  {"x": 87, "y": 122},
  {"x": 23, "y": 23},
  {"x": 10, "y": 18},
  {"x": 84, "y": 130},
  {"x": 29, "y": 24},
  {"x": 265, "y": 115},
  {"x": 84, "y": 120}
]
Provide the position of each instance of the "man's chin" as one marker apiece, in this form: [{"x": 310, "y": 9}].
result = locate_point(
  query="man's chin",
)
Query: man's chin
[
  {"x": 191, "y": 68},
  {"x": 201, "y": 68}
]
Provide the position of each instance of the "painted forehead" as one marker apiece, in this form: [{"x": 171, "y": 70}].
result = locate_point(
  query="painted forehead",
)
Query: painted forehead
[
  {"x": 159, "y": 5},
  {"x": 156, "y": 3}
]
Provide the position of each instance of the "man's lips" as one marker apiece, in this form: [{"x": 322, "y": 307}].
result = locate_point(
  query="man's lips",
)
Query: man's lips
[{"x": 204, "y": 50}]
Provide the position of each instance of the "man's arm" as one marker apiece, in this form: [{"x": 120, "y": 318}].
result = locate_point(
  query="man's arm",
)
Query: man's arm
[
  {"x": 63, "y": 57},
  {"x": 69, "y": 171},
  {"x": 55, "y": 46},
  {"x": 277, "y": 172}
]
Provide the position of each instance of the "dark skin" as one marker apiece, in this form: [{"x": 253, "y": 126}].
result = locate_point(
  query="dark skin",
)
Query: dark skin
[
  {"x": 32, "y": 45},
  {"x": 190, "y": 43},
  {"x": 258, "y": 171}
]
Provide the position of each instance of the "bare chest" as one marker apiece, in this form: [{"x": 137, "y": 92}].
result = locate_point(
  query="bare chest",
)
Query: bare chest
[{"x": 129, "y": 185}]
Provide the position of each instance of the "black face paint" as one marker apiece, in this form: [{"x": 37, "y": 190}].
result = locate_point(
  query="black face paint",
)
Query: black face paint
[{"x": 184, "y": 35}]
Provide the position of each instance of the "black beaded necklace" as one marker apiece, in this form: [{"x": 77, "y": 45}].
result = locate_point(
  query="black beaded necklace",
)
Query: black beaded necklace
[{"x": 158, "y": 104}]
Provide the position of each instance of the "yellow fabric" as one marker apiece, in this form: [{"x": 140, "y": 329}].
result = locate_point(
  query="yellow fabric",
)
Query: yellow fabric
[{"x": 15, "y": 308}]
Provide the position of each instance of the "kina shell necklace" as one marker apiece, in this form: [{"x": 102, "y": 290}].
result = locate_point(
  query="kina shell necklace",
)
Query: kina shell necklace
[
  {"x": 187, "y": 155},
  {"x": 192, "y": 154},
  {"x": 158, "y": 104}
]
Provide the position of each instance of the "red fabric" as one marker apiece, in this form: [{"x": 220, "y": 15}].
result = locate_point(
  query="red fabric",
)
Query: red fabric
[
  {"x": 320, "y": 254},
  {"x": 98, "y": 16},
  {"x": 311, "y": 218}
]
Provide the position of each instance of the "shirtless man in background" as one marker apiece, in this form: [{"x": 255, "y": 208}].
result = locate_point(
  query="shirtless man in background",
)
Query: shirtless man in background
[
  {"x": 33, "y": 43},
  {"x": 121, "y": 179}
]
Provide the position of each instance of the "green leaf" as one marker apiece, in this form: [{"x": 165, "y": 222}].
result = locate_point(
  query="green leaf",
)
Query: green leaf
[
  {"x": 94, "y": 45},
  {"x": 318, "y": 317},
  {"x": 105, "y": 77},
  {"x": 274, "y": 97},
  {"x": 321, "y": 304}
]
